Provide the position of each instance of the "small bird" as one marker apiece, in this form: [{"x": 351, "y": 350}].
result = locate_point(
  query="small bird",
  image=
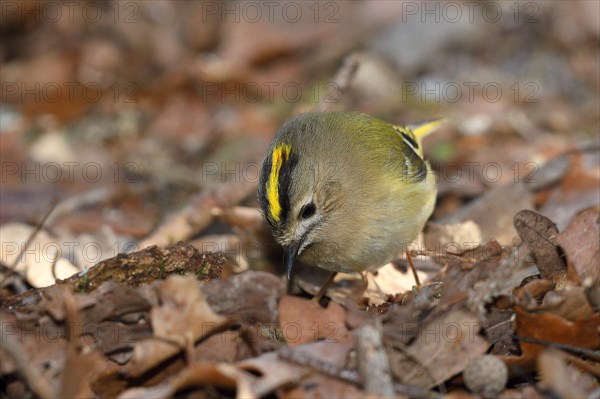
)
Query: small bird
[{"x": 344, "y": 191}]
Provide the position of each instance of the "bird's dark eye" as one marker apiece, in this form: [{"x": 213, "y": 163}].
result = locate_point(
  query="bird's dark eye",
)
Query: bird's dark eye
[{"x": 308, "y": 210}]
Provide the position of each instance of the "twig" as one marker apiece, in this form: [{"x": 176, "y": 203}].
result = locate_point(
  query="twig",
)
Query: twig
[
  {"x": 346, "y": 375},
  {"x": 582, "y": 364},
  {"x": 54, "y": 262},
  {"x": 412, "y": 268},
  {"x": 78, "y": 201},
  {"x": 329, "y": 369},
  {"x": 198, "y": 214},
  {"x": 38, "y": 227},
  {"x": 373, "y": 362}
]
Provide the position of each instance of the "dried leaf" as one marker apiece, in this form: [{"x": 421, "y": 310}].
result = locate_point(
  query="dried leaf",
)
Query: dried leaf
[
  {"x": 389, "y": 281},
  {"x": 442, "y": 349},
  {"x": 274, "y": 372},
  {"x": 183, "y": 310},
  {"x": 581, "y": 243},
  {"x": 197, "y": 375},
  {"x": 325, "y": 366},
  {"x": 182, "y": 318},
  {"x": 570, "y": 302},
  {"x": 540, "y": 234},
  {"x": 303, "y": 321},
  {"x": 578, "y": 190},
  {"x": 548, "y": 327},
  {"x": 250, "y": 296}
]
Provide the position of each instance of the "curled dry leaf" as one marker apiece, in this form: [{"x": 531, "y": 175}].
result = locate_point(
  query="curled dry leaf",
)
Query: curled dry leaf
[
  {"x": 303, "y": 321},
  {"x": 540, "y": 234},
  {"x": 529, "y": 296}
]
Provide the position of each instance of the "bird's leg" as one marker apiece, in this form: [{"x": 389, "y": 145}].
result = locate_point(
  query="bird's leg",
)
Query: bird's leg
[
  {"x": 324, "y": 287},
  {"x": 412, "y": 268}
]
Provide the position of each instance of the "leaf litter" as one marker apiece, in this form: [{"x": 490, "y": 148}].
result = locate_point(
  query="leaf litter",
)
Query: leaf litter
[{"x": 508, "y": 268}]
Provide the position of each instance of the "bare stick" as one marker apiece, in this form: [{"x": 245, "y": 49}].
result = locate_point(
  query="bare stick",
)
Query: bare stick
[
  {"x": 38, "y": 227},
  {"x": 373, "y": 363},
  {"x": 412, "y": 268}
]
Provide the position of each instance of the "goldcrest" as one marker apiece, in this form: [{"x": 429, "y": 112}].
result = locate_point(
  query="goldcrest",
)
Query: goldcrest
[{"x": 345, "y": 191}]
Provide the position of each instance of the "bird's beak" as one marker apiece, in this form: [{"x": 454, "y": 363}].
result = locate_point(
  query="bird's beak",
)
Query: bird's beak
[{"x": 291, "y": 253}]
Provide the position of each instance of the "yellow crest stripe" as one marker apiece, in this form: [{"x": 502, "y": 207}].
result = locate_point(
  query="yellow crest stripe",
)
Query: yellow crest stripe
[{"x": 280, "y": 153}]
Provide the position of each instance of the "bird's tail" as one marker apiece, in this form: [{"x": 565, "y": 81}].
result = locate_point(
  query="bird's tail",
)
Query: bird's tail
[{"x": 420, "y": 130}]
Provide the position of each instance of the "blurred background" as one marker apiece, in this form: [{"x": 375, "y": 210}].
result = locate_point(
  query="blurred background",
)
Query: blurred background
[{"x": 128, "y": 115}]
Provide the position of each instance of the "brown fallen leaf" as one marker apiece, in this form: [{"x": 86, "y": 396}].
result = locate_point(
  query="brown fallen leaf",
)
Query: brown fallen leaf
[
  {"x": 38, "y": 357},
  {"x": 183, "y": 310},
  {"x": 182, "y": 318},
  {"x": 530, "y": 295},
  {"x": 274, "y": 372},
  {"x": 198, "y": 375},
  {"x": 326, "y": 369},
  {"x": 303, "y": 321},
  {"x": 540, "y": 234},
  {"x": 548, "y": 327},
  {"x": 80, "y": 370},
  {"x": 581, "y": 242},
  {"x": 250, "y": 297},
  {"x": 570, "y": 302},
  {"x": 541, "y": 296},
  {"x": 442, "y": 349},
  {"x": 578, "y": 190}
]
